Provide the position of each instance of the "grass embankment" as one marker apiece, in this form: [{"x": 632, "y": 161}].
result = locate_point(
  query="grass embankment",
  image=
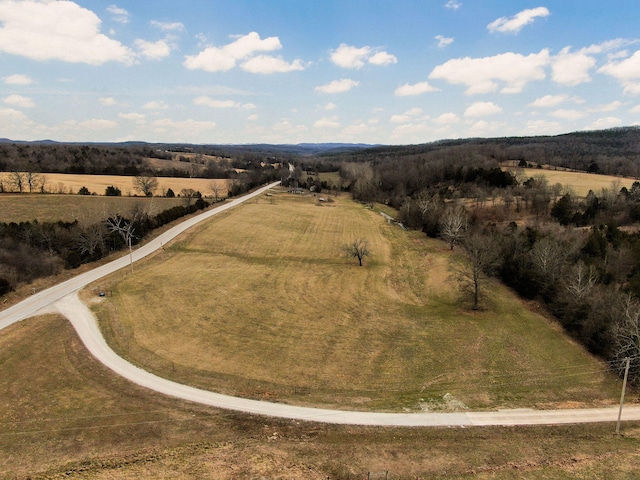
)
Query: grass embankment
[
  {"x": 259, "y": 302},
  {"x": 63, "y": 415}
]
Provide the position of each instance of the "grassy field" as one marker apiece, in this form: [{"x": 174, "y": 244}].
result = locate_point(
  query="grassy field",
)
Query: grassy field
[
  {"x": 579, "y": 182},
  {"x": 86, "y": 209},
  {"x": 63, "y": 415},
  {"x": 71, "y": 183},
  {"x": 260, "y": 301}
]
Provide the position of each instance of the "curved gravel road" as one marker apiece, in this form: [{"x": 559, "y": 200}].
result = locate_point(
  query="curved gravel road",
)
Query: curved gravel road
[{"x": 64, "y": 297}]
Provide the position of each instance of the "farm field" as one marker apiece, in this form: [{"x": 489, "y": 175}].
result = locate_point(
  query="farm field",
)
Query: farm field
[
  {"x": 261, "y": 303},
  {"x": 71, "y": 183},
  {"x": 579, "y": 182},
  {"x": 64, "y": 415},
  {"x": 86, "y": 209}
]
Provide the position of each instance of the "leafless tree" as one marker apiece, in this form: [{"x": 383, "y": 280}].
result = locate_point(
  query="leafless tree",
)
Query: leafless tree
[
  {"x": 580, "y": 280},
  {"x": 548, "y": 257},
  {"x": 17, "y": 181},
  {"x": 626, "y": 334},
  {"x": 454, "y": 225},
  {"x": 125, "y": 229},
  {"x": 145, "y": 184},
  {"x": 216, "y": 189},
  {"x": 481, "y": 258},
  {"x": 33, "y": 180},
  {"x": 359, "y": 249},
  {"x": 188, "y": 194},
  {"x": 91, "y": 240}
]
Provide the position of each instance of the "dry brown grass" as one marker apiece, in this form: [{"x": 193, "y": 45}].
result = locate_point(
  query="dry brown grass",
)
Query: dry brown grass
[
  {"x": 260, "y": 301},
  {"x": 63, "y": 415},
  {"x": 71, "y": 183},
  {"x": 579, "y": 182}
]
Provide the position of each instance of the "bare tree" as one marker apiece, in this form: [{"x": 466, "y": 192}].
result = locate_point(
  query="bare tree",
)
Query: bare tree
[
  {"x": 481, "y": 259},
  {"x": 145, "y": 184},
  {"x": 17, "y": 181},
  {"x": 454, "y": 225},
  {"x": 626, "y": 334},
  {"x": 188, "y": 194},
  {"x": 359, "y": 249},
  {"x": 33, "y": 180},
  {"x": 548, "y": 257},
  {"x": 125, "y": 229},
  {"x": 91, "y": 240},
  {"x": 216, "y": 189},
  {"x": 580, "y": 280}
]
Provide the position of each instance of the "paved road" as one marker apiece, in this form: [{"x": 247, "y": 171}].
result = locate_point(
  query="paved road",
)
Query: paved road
[{"x": 65, "y": 299}]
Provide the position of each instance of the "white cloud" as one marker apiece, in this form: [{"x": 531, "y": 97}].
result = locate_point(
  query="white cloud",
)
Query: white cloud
[
  {"x": 408, "y": 116},
  {"x": 542, "y": 127},
  {"x": 181, "y": 130},
  {"x": 626, "y": 71},
  {"x": 482, "y": 109},
  {"x": 514, "y": 24},
  {"x": 338, "y": 86},
  {"x": 415, "y": 89},
  {"x": 446, "y": 119},
  {"x": 572, "y": 69},
  {"x": 118, "y": 14},
  {"x": 453, "y": 4},
  {"x": 168, "y": 27},
  {"x": 607, "y": 107},
  {"x": 327, "y": 122},
  {"x": 60, "y": 30},
  {"x": 153, "y": 50},
  {"x": 95, "y": 124},
  {"x": 222, "y": 59},
  {"x": 329, "y": 106},
  {"x": 213, "y": 103},
  {"x": 19, "y": 101},
  {"x": 348, "y": 56},
  {"x": 443, "y": 41},
  {"x": 481, "y": 75},
  {"x": 267, "y": 64},
  {"x": 382, "y": 58},
  {"x": 483, "y": 128},
  {"x": 567, "y": 114},
  {"x": 604, "y": 123},
  {"x": 107, "y": 101},
  {"x": 155, "y": 105},
  {"x": 635, "y": 109},
  {"x": 134, "y": 117},
  {"x": 549, "y": 101},
  {"x": 18, "y": 79},
  {"x": 253, "y": 117}
]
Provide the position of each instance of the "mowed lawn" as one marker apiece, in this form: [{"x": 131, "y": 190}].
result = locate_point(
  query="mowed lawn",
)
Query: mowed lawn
[{"x": 260, "y": 302}]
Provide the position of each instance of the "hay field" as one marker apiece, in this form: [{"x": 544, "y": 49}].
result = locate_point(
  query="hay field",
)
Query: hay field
[
  {"x": 260, "y": 301},
  {"x": 579, "y": 182},
  {"x": 64, "y": 415},
  {"x": 71, "y": 183},
  {"x": 87, "y": 209}
]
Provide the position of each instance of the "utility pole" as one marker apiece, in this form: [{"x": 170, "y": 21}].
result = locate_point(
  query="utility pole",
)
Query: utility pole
[{"x": 624, "y": 387}]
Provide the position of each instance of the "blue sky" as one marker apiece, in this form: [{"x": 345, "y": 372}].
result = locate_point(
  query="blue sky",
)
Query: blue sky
[{"x": 292, "y": 71}]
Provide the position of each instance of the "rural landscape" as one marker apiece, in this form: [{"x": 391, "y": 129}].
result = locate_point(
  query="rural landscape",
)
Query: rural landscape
[
  {"x": 319, "y": 240},
  {"x": 379, "y": 279}
]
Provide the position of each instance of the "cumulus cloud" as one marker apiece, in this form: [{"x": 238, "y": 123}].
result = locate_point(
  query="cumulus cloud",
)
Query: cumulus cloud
[
  {"x": 213, "y": 103},
  {"x": 267, "y": 64},
  {"x": 446, "y": 119},
  {"x": 244, "y": 48},
  {"x": 134, "y": 117},
  {"x": 518, "y": 21},
  {"x": 327, "y": 122},
  {"x": 572, "y": 69},
  {"x": 348, "y": 56},
  {"x": 626, "y": 72},
  {"x": 604, "y": 123},
  {"x": 181, "y": 130},
  {"x": 155, "y": 105},
  {"x": 408, "y": 116},
  {"x": 57, "y": 31},
  {"x": 168, "y": 27},
  {"x": 567, "y": 114},
  {"x": 548, "y": 101},
  {"x": 338, "y": 86},
  {"x": 453, "y": 4},
  {"x": 415, "y": 89},
  {"x": 19, "y": 101},
  {"x": 118, "y": 14},
  {"x": 443, "y": 41},
  {"x": 482, "y": 109},
  {"x": 153, "y": 50},
  {"x": 482, "y": 75},
  {"x": 18, "y": 79}
]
